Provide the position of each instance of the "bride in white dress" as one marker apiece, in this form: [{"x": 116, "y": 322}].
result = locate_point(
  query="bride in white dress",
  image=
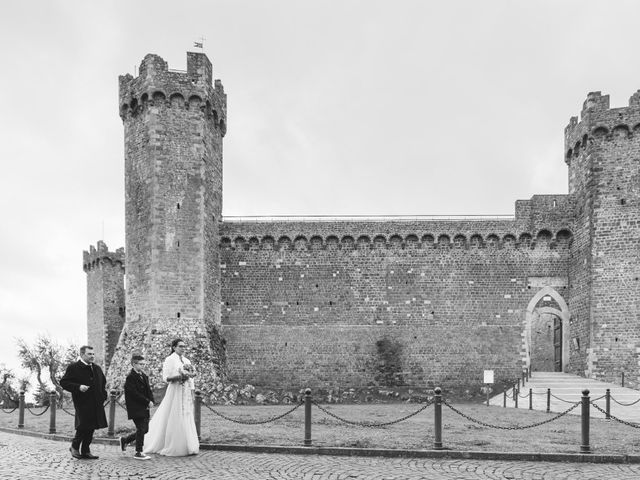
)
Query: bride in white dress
[{"x": 172, "y": 430}]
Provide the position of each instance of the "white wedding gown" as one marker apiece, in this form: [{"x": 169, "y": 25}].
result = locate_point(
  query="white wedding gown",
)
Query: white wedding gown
[{"x": 172, "y": 430}]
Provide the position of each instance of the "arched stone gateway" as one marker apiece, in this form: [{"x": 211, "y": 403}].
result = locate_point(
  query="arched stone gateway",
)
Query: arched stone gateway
[{"x": 555, "y": 322}]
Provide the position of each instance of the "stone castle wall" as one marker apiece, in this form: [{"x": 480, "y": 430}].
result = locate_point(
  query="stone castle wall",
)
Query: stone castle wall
[
  {"x": 105, "y": 299},
  {"x": 306, "y": 303},
  {"x": 286, "y": 303},
  {"x": 174, "y": 122},
  {"x": 603, "y": 155}
]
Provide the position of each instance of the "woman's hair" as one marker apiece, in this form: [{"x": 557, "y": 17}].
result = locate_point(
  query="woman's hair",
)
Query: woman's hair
[{"x": 174, "y": 343}]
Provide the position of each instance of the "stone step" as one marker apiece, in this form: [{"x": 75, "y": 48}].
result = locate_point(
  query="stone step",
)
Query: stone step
[{"x": 566, "y": 390}]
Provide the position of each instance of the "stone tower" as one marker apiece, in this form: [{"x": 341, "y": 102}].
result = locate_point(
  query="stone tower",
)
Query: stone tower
[
  {"x": 105, "y": 299},
  {"x": 603, "y": 154},
  {"x": 174, "y": 122}
]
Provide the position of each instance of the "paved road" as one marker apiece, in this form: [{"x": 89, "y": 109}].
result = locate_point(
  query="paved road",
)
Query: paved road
[{"x": 28, "y": 458}]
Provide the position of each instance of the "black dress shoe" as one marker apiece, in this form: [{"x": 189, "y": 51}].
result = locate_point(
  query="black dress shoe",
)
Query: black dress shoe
[
  {"x": 90, "y": 456},
  {"x": 75, "y": 453}
]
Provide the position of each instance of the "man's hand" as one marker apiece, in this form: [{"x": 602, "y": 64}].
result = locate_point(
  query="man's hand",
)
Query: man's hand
[
  {"x": 84, "y": 388},
  {"x": 150, "y": 404}
]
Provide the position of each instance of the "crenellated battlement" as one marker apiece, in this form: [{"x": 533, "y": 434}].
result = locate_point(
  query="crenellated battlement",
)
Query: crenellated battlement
[
  {"x": 100, "y": 255},
  {"x": 382, "y": 240},
  {"x": 598, "y": 122},
  {"x": 158, "y": 86}
]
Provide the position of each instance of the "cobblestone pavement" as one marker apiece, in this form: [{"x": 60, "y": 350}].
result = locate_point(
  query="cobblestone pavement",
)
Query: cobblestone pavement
[{"x": 29, "y": 458}]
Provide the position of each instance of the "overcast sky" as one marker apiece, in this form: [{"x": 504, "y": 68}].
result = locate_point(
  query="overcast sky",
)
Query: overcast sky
[{"x": 335, "y": 107}]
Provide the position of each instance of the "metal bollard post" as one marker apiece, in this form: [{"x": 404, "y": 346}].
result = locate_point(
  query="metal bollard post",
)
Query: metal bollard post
[
  {"x": 623, "y": 379},
  {"x": 52, "y": 411},
  {"x": 607, "y": 397},
  {"x": 516, "y": 394},
  {"x": 307, "y": 417},
  {"x": 523, "y": 377},
  {"x": 585, "y": 448},
  {"x": 548, "y": 400},
  {"x": 112, "y": 413},
  {"x": 21, "y": 410},
  {"x": 504, "y": 399},
  {"x": 197, "y": 410},
  {"x": 530, "y": 399},
  {"x": 437, "y": 419}
]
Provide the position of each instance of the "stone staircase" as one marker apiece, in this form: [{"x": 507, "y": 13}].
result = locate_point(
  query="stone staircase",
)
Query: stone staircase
[{"x": 566, "y": 389}]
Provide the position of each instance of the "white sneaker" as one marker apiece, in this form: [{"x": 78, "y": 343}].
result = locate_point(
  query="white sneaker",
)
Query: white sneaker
[{"x": 141, "y": 456}]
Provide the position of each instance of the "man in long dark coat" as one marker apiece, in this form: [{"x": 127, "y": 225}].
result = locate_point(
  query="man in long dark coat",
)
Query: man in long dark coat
[{"x": 86, "y": 382}]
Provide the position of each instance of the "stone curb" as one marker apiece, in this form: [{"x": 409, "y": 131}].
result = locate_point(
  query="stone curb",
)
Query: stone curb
[{"x": 373, "y": 452}]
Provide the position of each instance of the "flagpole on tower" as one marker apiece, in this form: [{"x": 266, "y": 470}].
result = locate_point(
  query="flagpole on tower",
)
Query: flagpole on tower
[{"x": 199, "y": 44}]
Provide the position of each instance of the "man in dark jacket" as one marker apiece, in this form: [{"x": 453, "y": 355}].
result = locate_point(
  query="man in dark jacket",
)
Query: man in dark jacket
[
  {"x": 86, "y": 382},
  {"x": 139, "y": 399}
]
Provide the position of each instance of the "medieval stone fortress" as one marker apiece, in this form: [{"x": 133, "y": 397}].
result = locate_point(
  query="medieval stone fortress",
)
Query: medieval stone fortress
[{"x": 295, "y": 302}]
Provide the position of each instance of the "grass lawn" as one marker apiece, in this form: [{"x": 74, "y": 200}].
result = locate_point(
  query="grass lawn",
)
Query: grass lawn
[{"x": 560, "y": 436}]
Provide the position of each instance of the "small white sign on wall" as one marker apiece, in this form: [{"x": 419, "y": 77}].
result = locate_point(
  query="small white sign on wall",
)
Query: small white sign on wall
[{"x": 488, "y": 376}]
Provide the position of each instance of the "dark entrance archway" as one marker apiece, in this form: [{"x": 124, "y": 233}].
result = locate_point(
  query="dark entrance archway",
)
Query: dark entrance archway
[
  {"x": 546, "y": 332},
  {"x": 546, "y": 342}
]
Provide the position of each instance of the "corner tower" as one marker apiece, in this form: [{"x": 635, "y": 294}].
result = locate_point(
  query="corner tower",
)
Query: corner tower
[
  {"x": 105, "y": 299},
  {"x": 602, "y": 151},
  {"x": 174, "y": 122}
]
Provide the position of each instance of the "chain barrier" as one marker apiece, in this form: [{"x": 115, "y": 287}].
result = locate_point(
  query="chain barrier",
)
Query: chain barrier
[
  {"x": 625, "y": 404},
  {"x": 124, "y": 407},
  {"x": 38, "y": 414},
  {"x": 561, "y": 399},
  {"x": 73, "y": 414},
  {"x": 630, "y": 424},
  {"x": 372, "y": 424},
  {"x": 502, "y": 427},
  {"x": 510, "y": 397},
  {"x": 254, "y": 422},
  {"x": 599, "y": 398},
  {"x": 10, "y": 411}
]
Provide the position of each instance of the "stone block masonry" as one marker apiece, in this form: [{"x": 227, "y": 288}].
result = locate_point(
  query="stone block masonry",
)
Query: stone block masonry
[
  {"x": 290, "y": 303},
  {"x": 305, "y": 304},
  {"x": 105, "y": 299},
  {"x": 173, "y": 128},
  {"x": 603, "y": 156}
]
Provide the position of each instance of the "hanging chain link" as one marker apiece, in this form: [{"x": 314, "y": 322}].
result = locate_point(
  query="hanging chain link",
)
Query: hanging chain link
[
  {"x": 561, "y": 399},
  {"x": 372, "y": 424},
  {"x": 625, "y": 404},
  {"x": 67, "y": 411},
  {"x": 10, "y": 411},
  {"x": 254, "y": 422},
  {"x": 38, "y": 414},
  {"x": 502, "y": 427},
  {"x": 630, "y": 424}
]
